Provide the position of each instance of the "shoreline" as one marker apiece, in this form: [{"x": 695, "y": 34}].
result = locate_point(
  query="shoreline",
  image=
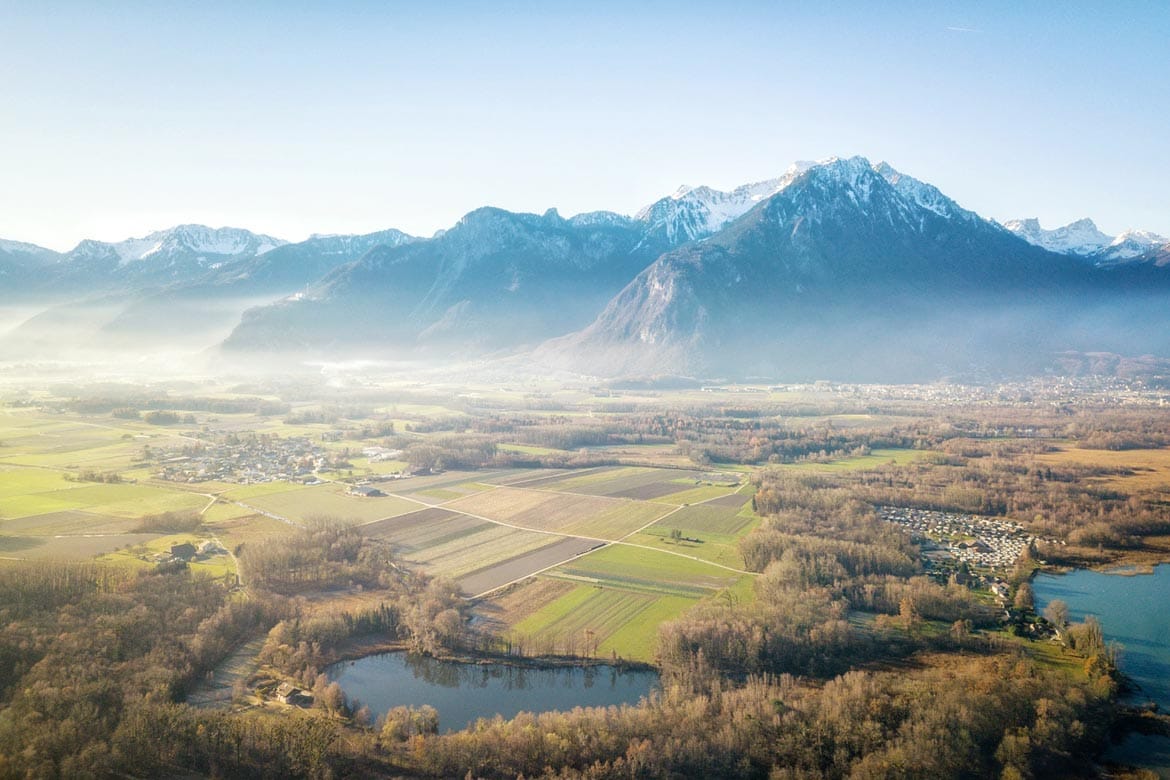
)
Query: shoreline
[{"x": 363, "y": 647}]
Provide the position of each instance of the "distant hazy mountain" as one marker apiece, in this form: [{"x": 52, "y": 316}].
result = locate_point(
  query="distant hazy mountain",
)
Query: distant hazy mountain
[
  {"x": 850, "y": 269},
  {"x": 840, "y": 268},
  {"x": 293, "y": 266},
  {"x": 23, "y": 265},
  {"x": 494, "y": 280},
  {"x": 1084, "y": 239},
  {"x": 184, "y": 287},
  {"x": 181, "y": 254}
]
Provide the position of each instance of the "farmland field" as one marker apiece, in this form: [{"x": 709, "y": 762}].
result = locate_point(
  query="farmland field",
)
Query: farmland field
[
  {"x": 249, "y": 529},
  {"x": 629, "y": 482},
  {"x": 720, "y": 549},
  {"x": 330, "y": 500},
  {"x": 648, "y": 571},
  {"x": 543, "y": 478},
  {"x": 590, "y": 479},
  {"x": 484, "y": 529},
  {"x": 245, "y": 492},
  {"x": 583, "y": 618},
  {"x": 481, "y": 548},
  {"x": 66, "y": 547},
  {"x": 222, "y": 511},
  {"x": 594, "y": 620},
  {"x": 145, "y": 551},
  {"x": 1146, "y": 469},
  {"x": 708, "y": 518},
  {"x": 874, "y": 459},
  {"x": 69, "y": 522},
  {"x": 426, "y": 528},
  {"x": 568, "y": 513},
  {"x": 736, "y": 500},
  {"x": 124, "y": 499},
  {"x": 694, "y": 495},
  {"x": 506, "y": 571},
  {"x": 423, "y": 488}
]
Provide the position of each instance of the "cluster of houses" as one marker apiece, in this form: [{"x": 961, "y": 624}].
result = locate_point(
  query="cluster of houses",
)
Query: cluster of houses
[
  {"x": 379, "y": 454},
  {"x": 186, "y": 552},
  {"x": 1060, "y": 391},
  {"x": 979, "y": 541},
  {"x": 247, "y": 459}
]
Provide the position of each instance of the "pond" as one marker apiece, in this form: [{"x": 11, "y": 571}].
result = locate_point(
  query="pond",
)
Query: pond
[
  {"x": 1134, "y": 610},
  {"x": 465, "y": 692}
]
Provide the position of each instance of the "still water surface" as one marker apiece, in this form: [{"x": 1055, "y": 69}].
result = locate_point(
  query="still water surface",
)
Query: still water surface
[
  {"x": 1135, "y": 612},
  {"x": 464, "y": 692}
]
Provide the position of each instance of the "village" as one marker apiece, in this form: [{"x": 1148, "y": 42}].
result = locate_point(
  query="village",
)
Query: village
[
  {"x": 249, "y": 458},
  {"x": 971, "y": 539}
]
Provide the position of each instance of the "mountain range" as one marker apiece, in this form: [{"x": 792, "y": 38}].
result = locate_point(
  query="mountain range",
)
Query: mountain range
[{"x": 841, "y": 269}]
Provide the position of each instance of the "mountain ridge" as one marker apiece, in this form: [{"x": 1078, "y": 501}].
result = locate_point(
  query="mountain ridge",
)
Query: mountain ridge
[
  {"x": 1084, "y": 239},
  {"x": 809, "y": 272}
]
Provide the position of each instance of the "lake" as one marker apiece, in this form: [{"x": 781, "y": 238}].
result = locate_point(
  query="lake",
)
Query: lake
[
  {"x": 465, "y": 692},
  {"x": 1134, "y": 610}
]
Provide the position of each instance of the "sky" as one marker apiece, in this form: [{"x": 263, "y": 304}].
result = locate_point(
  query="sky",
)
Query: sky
[{"x": 295, "y": 117}]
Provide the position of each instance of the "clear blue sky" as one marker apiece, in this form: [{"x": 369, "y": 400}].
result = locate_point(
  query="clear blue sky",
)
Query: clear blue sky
[{"x": 121, "y": 117}]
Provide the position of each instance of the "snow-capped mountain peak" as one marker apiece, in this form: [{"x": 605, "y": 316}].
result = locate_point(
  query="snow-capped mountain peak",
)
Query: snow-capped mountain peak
[
  {"x": 196, "y": 240},
  {"x": 1134, "y": 243},
  {"x": 1076, "y": 238},
  {"x": 20, "y": 247},
  {"x": 925, "y": 195},
  {"x": 690, "y": 213},
  {"x": 799, "y": 167}
]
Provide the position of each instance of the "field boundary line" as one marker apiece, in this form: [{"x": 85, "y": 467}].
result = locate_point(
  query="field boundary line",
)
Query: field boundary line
[
  {"x": 570, "y": 474},
  {"x": 490, "y": 520},
  {"x": 479, "y": 596}
]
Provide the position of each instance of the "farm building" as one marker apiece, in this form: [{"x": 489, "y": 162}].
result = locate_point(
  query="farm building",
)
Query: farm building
[
  {"x": 287, "y": 693},
  {"x": 367, "y": 491},
  {"x": 184, "y": 551}
]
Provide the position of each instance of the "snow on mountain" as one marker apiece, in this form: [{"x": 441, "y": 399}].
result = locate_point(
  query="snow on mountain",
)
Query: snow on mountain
[
  {"x": 1083, "y": 238},
  {"x": 794, "y": 284},
  {"x": 1077, "y": 238},
  {"x": 1134, "y": 243},
  {"x": 696, "y": 212},
  {"x": 692, "y": 213},
  {"x": 596, "y": 218},
  {"x": 22, "y": 248},
  {"x": 184, "y": 240},
  {"x": 925, "y": 195}
]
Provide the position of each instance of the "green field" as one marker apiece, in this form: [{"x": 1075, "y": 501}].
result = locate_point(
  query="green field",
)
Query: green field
[
  {"x": 22, "y": 498},
  {"x": 607, "y": 601},
  {"x": 300, "y": 504},
  {"x": 872, "y": 460},
  {"x": 68, "y": 523},
  {"x": 713, "y": 520},
  {"x": 140, "y": 554},
  {"x": 601, "y": 621},
  {"x": 488, "y": 545},
  {"x": 695, "y": 495},
  {"x": 593, "y": 478},
  {"x": 638, "y": 637},
  {"x": 528, "y": 449},
  {"x": 245, "y": 492},
  {"x": 647, "y": 571},
  {"x": 66, "y": 548},
  {"x": 720, "y": 549}
]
